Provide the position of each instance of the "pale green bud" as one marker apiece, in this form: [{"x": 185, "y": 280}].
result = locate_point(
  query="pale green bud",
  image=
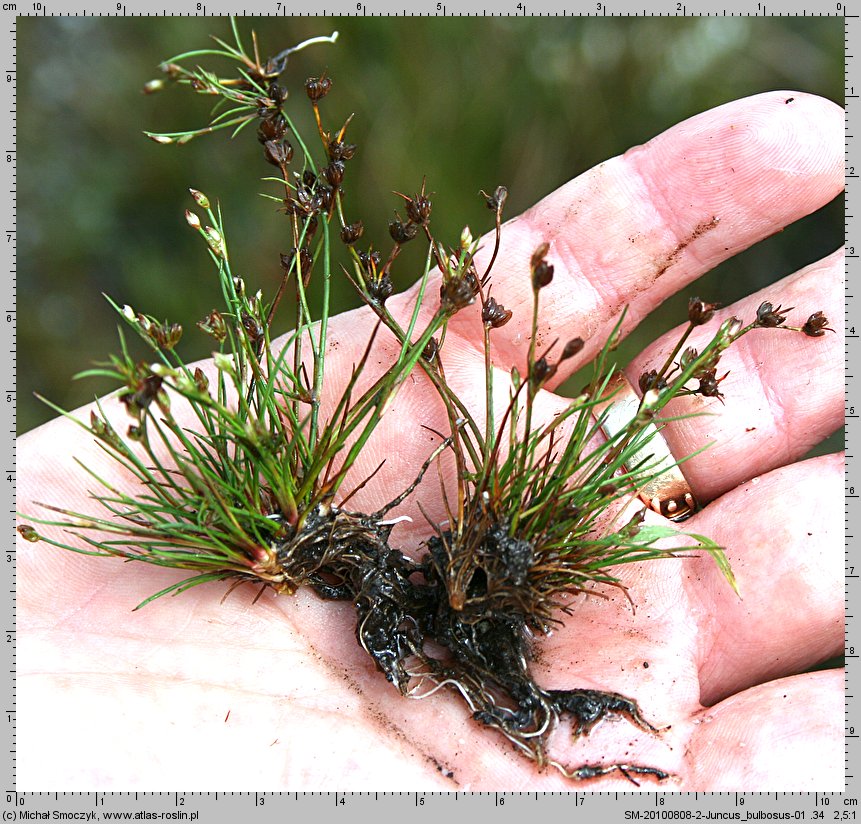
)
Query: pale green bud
[
  {"x": 200, "y": 198},
  {"x": 223, "y": 363}
]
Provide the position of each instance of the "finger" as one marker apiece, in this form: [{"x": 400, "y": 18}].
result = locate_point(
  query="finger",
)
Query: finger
[
  {"x": 785, "y": 735},
  {"x": 783, "y": 535},
  {"x": 784, "y": 391},
  {"x": 635, "y": 229}
]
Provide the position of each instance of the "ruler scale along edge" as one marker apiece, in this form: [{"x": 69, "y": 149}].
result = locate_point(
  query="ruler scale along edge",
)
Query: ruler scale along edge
[
  {"x": 274, "y": 806},
  {"x": 852, "y": 565},
  {"x": 8, "y": 325}
]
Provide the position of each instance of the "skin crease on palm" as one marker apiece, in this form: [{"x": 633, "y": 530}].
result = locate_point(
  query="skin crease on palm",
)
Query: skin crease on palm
[{"x": 194, "y": 693}]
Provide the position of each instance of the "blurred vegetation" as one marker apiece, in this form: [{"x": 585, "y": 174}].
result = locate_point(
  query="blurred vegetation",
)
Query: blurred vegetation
[{"x": 470, "y": 103}]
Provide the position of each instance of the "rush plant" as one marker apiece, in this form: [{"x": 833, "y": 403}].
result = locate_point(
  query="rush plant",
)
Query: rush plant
[{"x": 245, "y": 472}]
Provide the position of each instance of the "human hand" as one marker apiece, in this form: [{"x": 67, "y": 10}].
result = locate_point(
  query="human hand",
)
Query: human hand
[{"x": 198, "y": 694}]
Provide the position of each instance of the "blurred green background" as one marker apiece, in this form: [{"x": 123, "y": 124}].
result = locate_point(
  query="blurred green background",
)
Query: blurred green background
[{"x": 469, "y": 103}]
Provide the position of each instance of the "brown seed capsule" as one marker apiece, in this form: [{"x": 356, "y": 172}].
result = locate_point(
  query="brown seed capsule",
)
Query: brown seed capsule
[
  {"x": 380, "y": 289},
  {"x": 252, "y": 326},
  {"x": 688, "y": 357},
  {"x": 542, "y": 274},
  {"x": 494, "y": 314},
  {"x": 326, "y": 196},
  {"x": 649, "y": 380},
  {"x": 272, "y": 126},
  {"x": 539, "y": 254},
  {"x": 142, "y": 395},
  {"x": 542, "y": 271},
  {"x": 402, "y": 232},
  {"x": 496, "y": 201},
  {"x": 572, "y": 348},
  {"x": 277, "y": 93},
  {"x": 213, "y": 324},
  {"x": 700, "y": 312},
  {"x": 370, "y": 260},
  {"x": 169, "y": 336},
  {"x": 768, "y": 316},
  {"x": 307, "y": 201},
  {"x": 278, "y": 153},
  {"x": 334, "y": 173},
  {"x": 816, "y": 325},
  {"x": 317, "y": 87},
  {"x": 341, "y": 151},
  {"x": 352, "y": 232},
  {"x": 288, "y": 264},
  {"x": 419, "y": 209},
  {"x": 541, "y": 371},
  {"x": 457, "y": 292},
  {"x": 709, "y": 384},
  {"x": 200, "y": 380}
]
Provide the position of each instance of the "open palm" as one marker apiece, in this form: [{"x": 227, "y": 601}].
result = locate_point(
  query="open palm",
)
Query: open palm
[{"x": 200, "y": 694}]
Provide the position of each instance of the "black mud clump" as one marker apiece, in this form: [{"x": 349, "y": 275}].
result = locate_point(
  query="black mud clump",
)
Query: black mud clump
[{"x": 402, "y": 605}]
